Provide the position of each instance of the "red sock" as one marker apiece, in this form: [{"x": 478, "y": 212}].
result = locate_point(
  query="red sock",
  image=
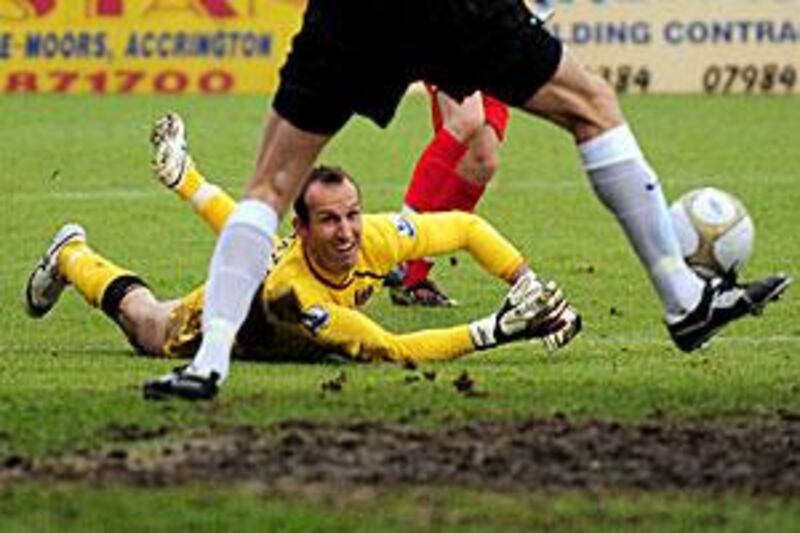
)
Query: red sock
[
  {"x": 436, "y": 186},
  {"x": 434, "y": 173},
  {"x": 416, "y": 271},
  {"x": 454, "y": 193},
  {"x": 460, "y": 194}
]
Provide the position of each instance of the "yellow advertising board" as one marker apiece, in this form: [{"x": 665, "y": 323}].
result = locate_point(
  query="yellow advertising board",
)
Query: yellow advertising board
[
  {"x": 144, "y": 46},
  {"x": 237, "y": 46},
  {"x": 686, "y": 46}
]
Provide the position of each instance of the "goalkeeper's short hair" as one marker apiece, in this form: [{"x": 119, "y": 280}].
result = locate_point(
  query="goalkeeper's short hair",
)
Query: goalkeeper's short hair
[{"x": 328, "y": 175}]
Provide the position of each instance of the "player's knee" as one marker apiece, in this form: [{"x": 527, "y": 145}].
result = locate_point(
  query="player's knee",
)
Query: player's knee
[
  {"x": 489, "y": 165},
  {"x": 480, "y": 167},
  {"x": 605, "y": 101}
]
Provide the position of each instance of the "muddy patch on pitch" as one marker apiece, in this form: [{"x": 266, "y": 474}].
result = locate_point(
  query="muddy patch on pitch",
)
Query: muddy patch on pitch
[{"x": 758, "y": 457}]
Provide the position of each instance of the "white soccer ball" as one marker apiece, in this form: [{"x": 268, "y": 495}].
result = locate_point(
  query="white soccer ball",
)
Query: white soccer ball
[{"x": 715, "y": 231}]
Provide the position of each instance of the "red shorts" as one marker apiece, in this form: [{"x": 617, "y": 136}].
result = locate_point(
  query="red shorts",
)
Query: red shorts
[{"x": 496, "y": 112}]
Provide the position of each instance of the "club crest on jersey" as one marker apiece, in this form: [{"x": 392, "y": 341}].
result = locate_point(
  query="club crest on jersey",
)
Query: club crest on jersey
[
  {"x": 405, "y": 226},
  {"x": 315, "y": 318}
]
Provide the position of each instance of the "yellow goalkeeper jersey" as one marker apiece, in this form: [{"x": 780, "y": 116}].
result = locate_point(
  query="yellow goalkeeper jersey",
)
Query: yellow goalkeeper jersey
[
  {"x": 303, "y": 314},
  {"x": 296, "y": 290}
]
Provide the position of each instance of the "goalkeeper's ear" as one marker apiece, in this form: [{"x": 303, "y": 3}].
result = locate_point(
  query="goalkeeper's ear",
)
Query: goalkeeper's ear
[{"x": 299, "y": 226}]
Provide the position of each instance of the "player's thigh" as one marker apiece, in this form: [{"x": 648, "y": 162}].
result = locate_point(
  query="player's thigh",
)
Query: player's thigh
[
  {"x": 287, "y": 155},
  {"x": 463, "y": 119},
  {"x": 444, "y": 108},
  {"x": 577, "y": 100}
]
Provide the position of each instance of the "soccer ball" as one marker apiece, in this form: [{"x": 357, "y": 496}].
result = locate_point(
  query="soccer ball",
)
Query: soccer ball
[{"x": 715, "y": 231}]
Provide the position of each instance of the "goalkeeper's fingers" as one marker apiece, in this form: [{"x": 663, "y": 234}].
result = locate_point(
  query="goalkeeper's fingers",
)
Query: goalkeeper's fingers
[
  {"x": 561, "y": 336},
  {"x": 542, "y": 308},
  {"x": 533, "y": 315}
]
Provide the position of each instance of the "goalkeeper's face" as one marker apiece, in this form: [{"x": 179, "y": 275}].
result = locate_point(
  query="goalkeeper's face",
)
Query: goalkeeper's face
[{"x": 332, "y": 235}]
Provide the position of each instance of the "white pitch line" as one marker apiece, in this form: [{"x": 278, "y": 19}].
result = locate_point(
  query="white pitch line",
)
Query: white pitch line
[
  {"x": 748, "y": 340},
  {"x": 503, "y": 184},
  {"x": 90, "y": 196}
]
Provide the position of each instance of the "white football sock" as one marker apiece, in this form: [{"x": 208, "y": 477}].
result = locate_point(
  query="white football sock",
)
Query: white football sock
[
  {"x": 626, "y": 184},
  {"x": 238, "y": 267}
]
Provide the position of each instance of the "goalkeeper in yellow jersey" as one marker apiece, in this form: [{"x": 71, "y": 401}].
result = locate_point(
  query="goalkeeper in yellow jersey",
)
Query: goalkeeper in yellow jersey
[{"x": 308, "y": 306}]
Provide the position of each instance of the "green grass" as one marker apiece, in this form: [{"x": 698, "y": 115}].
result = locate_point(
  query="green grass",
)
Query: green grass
[
  {"x": 431, "y": 509},
  {"x": 66, "y": 379}
]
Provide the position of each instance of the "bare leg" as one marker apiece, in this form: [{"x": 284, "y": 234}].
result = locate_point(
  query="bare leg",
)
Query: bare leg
[
  {"x": 463, "y": 119},
  {"x": 482, "y": 160},
  {"x": 242, "y": 253},
  {"x": 467, "y": 122},
  {"x": 285, "y": 159},
  {"x": 584, "y": 104},
  {"x": 577, "y": 100},
  {"x": 437, "y": 186},
  {"x": 145, "y": 320}
]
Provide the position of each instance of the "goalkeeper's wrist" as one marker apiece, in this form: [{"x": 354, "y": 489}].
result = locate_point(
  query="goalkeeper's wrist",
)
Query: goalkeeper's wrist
[{"x": 483, "y": 332}]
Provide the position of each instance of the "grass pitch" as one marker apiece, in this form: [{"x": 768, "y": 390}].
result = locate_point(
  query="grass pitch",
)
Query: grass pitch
[{"x": 69, "y": 382}]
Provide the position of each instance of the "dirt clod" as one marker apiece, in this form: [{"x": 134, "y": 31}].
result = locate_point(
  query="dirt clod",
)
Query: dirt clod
[
  {"x": 336, "y": 384},
  {"x": 465, "y": 385}
]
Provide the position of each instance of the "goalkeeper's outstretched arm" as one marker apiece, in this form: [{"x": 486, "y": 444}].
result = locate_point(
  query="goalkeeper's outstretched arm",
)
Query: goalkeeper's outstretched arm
[
  {"x": 531, "y": 310},
  {"x": 432, "y": 234}
]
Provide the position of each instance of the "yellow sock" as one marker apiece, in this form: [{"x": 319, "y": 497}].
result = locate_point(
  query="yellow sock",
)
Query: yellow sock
[
  {"x": 90, "y": 273},
  {"x": 212, "y": 203},
  {"x": 188, "y": 186}
]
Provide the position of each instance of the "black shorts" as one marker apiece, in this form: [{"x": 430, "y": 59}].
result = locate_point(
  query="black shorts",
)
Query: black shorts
[{"x": 359, "y": 56}]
